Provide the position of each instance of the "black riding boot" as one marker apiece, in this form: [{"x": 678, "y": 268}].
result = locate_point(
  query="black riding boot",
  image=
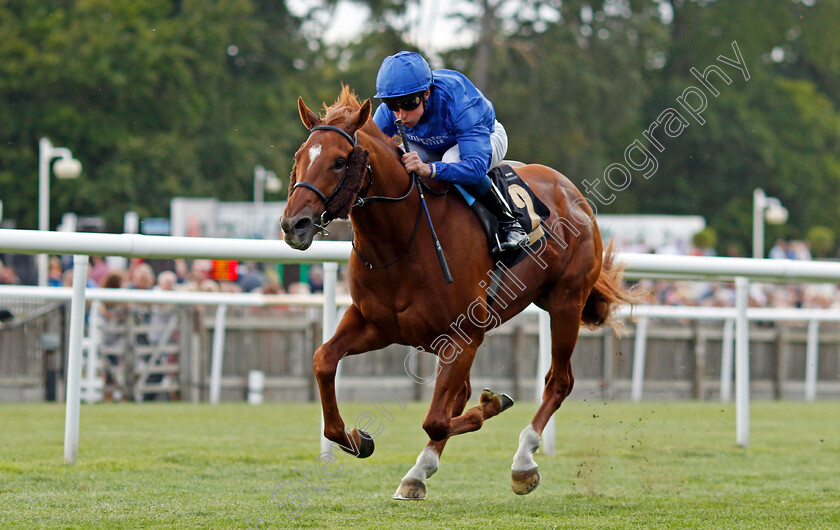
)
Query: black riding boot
[{"x": 511, "y": 234}]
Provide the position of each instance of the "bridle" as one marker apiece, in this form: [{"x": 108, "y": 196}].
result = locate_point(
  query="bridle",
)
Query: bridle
[
  {"x": 361, "y": 201},
  {"x": 326, "y": 199}
]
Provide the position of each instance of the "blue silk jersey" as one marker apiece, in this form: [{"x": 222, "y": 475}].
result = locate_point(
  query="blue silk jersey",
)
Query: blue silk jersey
[{"x": 455, "y": 113}]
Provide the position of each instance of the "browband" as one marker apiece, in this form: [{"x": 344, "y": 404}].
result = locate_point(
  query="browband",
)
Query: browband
[{"x": 353, "y": 140}]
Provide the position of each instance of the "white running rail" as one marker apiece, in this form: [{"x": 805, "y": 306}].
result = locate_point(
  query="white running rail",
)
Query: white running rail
[{"x": 82, "y": 245}]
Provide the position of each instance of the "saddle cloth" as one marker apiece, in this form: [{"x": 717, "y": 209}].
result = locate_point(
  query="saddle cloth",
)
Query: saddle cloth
[{"x": 528, "y": 209}]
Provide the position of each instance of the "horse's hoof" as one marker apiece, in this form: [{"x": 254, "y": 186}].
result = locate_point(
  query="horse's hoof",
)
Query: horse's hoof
[
  {"x": 506, "y": 400},
  {"x": 524, "y": 482},
  {"x": 366, "y": 445},
  {"x": 360, "y": 444},
  {"x": 411, "y": 489}
]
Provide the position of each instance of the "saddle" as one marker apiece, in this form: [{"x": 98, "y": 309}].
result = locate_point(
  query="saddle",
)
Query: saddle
[{"x": 528, "y": 209}]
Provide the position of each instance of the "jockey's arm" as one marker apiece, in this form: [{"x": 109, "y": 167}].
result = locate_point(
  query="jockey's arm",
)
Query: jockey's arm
[
  {"x": 473, "y": 140},
  {"x": 475, "y": 149}
]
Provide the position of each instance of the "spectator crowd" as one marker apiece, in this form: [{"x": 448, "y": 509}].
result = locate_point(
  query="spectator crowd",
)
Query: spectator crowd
[
  {"x": 196, "y": 275},
  {"x": 722, "y": 294}
]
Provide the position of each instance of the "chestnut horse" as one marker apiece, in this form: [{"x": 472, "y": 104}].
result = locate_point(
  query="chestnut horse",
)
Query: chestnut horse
[{"x": 398, "y": 290}]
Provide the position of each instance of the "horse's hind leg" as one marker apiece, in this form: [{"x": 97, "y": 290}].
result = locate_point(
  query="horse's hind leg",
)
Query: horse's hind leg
[
  {"x": 565, "y": 325},
  {"x": 446, "y": 418},
  {"x": 443, "y": 420},
  {"x": 490, "y": 404},
  {"x": 413, "y": 484}
]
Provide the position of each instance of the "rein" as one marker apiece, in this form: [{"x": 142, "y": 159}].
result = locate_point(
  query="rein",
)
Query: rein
[
  {"x": 370, "y": 265},
  {"x": 363, "y": 201}
]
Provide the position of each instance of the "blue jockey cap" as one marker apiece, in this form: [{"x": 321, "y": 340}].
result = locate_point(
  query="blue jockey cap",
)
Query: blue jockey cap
[{"x": 403, "y": 74}]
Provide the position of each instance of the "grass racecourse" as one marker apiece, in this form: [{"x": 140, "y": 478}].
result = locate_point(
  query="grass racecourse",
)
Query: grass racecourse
[{"x": 618, "y": 465}]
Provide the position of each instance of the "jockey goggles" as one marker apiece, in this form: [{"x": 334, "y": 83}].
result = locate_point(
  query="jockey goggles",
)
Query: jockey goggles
[{"x": 405, "y": 103}]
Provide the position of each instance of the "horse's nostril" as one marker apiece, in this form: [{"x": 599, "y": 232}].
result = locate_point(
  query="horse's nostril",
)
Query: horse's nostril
[
  {"x": 285, "y": 223},
  {"x": 303, "y": 224}
]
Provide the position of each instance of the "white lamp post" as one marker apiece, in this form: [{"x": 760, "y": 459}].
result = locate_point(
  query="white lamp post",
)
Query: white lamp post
[
  {"x": 769, "y": 209},
  {"x": 264, "y": 180},
  {"x": 66, "y": 167}
]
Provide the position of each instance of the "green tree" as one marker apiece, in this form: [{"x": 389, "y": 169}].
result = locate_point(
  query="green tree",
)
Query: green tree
[
  {"x": 821, "y": 241},
  {"x": 156, "y": 98},
  {"x": 771, "y": 131},
  {"x": 162, "y": 98},
  {"x": 568, "y": 80},
  {"x": 705, "y": 239}
]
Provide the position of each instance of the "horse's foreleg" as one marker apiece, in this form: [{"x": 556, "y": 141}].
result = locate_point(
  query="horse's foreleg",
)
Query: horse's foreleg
[
  {"x": 413, "y": 484},
  {"x": 565, "y": 325},
  {"x": 354, "y": 335}
]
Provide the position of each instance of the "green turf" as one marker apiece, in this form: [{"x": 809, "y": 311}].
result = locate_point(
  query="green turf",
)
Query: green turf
[{"x": 618, "y": 465}]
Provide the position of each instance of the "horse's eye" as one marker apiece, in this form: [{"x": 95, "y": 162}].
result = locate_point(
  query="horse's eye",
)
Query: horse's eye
[{"x": 340, "y": 163}]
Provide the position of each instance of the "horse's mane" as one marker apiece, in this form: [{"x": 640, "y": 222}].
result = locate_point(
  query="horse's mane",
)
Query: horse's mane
[
  {"x": 339, "y": 114},
  {"x": 345, "y": 105}
]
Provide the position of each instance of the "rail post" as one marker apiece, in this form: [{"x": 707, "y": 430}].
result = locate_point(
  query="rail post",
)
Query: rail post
[
  {"x": 330, "y": 319},
  {"x": 726, "y": 361},
  {"x": 639, "y": 354},
  {"x": 74, "y": 360},
  {"x": 811, "y": 356},
  {"x": 218, "y": 355},
  {"x": 742, "y": 363}
]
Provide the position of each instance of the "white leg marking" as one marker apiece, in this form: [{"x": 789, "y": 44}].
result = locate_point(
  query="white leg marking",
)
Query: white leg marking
[
  {"x": 529, "y": 442},
  {"x": 427, "y": 464},
  {"x": 314, "y": 153}
]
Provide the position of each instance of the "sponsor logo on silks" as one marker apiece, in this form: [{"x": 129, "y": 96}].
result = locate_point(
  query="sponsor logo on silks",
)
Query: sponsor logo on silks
[{"x": 430, "y": 140}]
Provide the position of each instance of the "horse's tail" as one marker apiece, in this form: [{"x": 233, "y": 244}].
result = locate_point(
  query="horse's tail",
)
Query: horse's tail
[{"x": 607, "y": 294}]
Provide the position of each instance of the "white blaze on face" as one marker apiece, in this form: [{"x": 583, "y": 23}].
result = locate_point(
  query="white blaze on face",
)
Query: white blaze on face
[{"x": 314, "y": 153}]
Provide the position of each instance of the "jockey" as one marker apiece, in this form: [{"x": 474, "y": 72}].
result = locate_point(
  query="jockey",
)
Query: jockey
[{"x": 452, "y": 130}]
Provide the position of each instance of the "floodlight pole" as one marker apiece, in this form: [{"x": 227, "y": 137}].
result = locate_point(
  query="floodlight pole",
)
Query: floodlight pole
[
  {"x": 46, "y": 153},
  {"x": 264, "y": 178},
  {"x": 762, "y": 206}
]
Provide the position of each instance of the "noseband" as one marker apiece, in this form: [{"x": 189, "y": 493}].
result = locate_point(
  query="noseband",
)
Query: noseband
[{"x": 354, "y": 141}]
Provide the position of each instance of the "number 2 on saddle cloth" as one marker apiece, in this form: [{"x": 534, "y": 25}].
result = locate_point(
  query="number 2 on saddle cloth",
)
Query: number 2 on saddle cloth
[{"x": 528, "y": 209}]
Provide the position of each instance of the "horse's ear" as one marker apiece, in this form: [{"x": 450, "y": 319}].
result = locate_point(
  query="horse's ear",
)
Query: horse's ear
[
  {"x": 363, "y": 115},
  {"x": 309, "y": 118}
]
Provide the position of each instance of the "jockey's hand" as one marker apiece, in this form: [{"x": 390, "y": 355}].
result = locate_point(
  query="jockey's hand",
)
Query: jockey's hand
[{"x": 412, "y": 162}]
